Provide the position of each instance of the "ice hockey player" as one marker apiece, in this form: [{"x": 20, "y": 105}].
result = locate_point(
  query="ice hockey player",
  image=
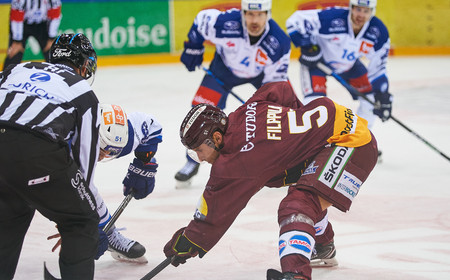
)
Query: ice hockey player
[
  {"x": 44, "y": 109},
  {"x": 340, "y": 37},
  {"x": 250, "y": 49},
  {"x": 322, "y": 151},
  {"x": 120, "y": 134},
  {"x": 32, "y": 18}
]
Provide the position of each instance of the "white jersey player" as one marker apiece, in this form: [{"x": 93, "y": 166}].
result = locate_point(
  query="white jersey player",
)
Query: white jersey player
[
  {"x": 121, "y": 134},
  {"x": 250, "y": 49},
  {"x": 339, "y": 37}
]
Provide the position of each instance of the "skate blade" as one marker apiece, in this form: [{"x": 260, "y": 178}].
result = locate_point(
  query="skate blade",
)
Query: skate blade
[
  {"x": 324, "y": 262},
  {"x": 183, "y": 184},
  {"x": 122, "y": 258}
]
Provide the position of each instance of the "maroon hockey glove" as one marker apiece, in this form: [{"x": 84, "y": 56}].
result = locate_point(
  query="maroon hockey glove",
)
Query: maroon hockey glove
[{"x": 180, "y": 248}]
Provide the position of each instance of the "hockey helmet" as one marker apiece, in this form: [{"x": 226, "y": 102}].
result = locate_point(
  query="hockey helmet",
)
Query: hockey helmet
[
  {"x": 76, "y": 49},
  {"x": 113, "y": 129},
  {"x": 364, "y": 3},
  {"x": 200, "y": 124}
]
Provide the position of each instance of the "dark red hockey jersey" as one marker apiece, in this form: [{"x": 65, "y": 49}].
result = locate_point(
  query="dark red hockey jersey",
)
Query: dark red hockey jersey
[{"x": 269, "y": 134}]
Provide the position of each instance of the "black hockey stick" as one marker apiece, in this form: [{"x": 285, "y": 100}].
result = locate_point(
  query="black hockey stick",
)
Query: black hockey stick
[
  {"x": 327, "y": 70},
  {"x": 118, "y": 212},
  {"x": 157, "y": 269},
  {"x": 114, "y": 217},
  {"x": 222, "y": 83}
]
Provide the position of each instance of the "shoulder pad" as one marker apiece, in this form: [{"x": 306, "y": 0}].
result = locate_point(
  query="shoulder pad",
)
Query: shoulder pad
[{"x": 229, "y": 24}]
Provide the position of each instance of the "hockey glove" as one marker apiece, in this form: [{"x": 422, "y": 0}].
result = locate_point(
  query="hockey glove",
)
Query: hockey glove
[
  {"x": 192, "y": 55},
  {"x": 180, "y": 248},
  {"x": 311, "y": 55},
  {"x": 140, "y": 178},
  {"x": 383, "y": 105},
  {"x": 102, "y": 243}
]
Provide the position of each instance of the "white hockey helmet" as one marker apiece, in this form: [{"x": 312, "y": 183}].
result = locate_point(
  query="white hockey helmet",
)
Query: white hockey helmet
[
  {"x": 113, "y": 129},
  {"x": 364, "y": 3},
  {"x": 256, "y": 5}
]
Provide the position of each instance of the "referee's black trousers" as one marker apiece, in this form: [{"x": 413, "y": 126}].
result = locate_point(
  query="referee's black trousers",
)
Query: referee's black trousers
[{"x": 37, "y": 174}]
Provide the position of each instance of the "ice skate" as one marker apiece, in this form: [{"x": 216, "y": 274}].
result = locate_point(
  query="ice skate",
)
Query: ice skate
[
  {"x": 124, "y": 249},
  {"x": 184, "y": 176},
  {"x": 324, "y": 255},
  {"x": 380, "y": 159},
  {"x": 273, "y": 274}
]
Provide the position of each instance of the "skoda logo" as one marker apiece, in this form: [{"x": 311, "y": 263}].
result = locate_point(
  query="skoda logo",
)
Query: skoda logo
[{"x": 40, "y": 77}]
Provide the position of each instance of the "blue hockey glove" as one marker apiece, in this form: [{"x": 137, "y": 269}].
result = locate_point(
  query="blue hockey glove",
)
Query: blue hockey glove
[
  {"x": 192, "y": 55},
  {"x": 102, "y": 243},
  {"x": 383, "y": 105},
  {"x": 140, "y": 178},
  {"x": 311, "y": 55}
]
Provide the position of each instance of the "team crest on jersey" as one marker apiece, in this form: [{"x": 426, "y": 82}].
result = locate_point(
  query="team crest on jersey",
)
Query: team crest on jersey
[
  {"x": 311, "y": 169},
  {"x": 365, "y": 47},
  {"x": 40, "y": 77},
  {"x": 261, "y": 57}
]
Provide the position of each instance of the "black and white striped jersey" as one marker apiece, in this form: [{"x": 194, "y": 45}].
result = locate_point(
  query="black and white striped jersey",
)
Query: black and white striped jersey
[
  {"x": 53, "y": 101},
  {"x": 34, "y": 11}
]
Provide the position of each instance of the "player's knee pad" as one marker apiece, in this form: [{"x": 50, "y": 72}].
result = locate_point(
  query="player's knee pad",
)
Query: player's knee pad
[
  {"x": 206, "y": 95},
  {"x": 312, "y": 83},
  {"x": 297, "y": 216},
  {"x": 299, "y": 202},
  {"x": 362, "y": 84}
]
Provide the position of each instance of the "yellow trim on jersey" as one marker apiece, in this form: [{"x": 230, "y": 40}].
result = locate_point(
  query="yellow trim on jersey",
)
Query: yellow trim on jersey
[
  {"x": 350, "y": 130},
  {"x": 202, "y": 207}
]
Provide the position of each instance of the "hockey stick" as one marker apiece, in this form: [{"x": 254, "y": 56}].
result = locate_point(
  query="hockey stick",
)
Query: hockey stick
[
  {"x": 118, "y": 212},
  {"x": 222, "y": 84},
  {"x": 114, "y": 217},
  {"x": 327, "y": 70},
  {"x": 157, "y": 269}
]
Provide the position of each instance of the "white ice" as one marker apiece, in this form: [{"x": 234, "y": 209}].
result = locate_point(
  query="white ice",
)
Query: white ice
[{"x": 398, "y": 226}]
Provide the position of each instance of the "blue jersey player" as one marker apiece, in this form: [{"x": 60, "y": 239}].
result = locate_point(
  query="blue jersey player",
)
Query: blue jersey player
[
  {"x": 250, "y": 48},
  {"x": 340, "y": 37}
]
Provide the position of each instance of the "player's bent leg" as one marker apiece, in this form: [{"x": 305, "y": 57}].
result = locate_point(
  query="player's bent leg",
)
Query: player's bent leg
[
  {"x": 324, "y": 253},
  {"x": 365, "y": 109},
  {"x": 297, "y": 216},
  {"x": 15, "y": 218}
]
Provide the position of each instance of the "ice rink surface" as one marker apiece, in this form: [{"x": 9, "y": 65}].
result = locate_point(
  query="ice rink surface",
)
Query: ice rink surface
[{"x": 398, "y": 226}]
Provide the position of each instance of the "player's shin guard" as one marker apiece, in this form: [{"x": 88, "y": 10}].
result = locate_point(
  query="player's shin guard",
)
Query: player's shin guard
[
  {"x": 297, "y": 215},
  {"x": 296, "y": 245}
]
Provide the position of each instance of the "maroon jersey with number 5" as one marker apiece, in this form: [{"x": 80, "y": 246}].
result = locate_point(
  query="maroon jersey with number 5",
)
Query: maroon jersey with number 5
[{"x": 269, "y": 134}]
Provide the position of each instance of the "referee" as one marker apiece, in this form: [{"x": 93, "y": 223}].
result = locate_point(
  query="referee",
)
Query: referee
[{"x": 48, "y": 153}]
